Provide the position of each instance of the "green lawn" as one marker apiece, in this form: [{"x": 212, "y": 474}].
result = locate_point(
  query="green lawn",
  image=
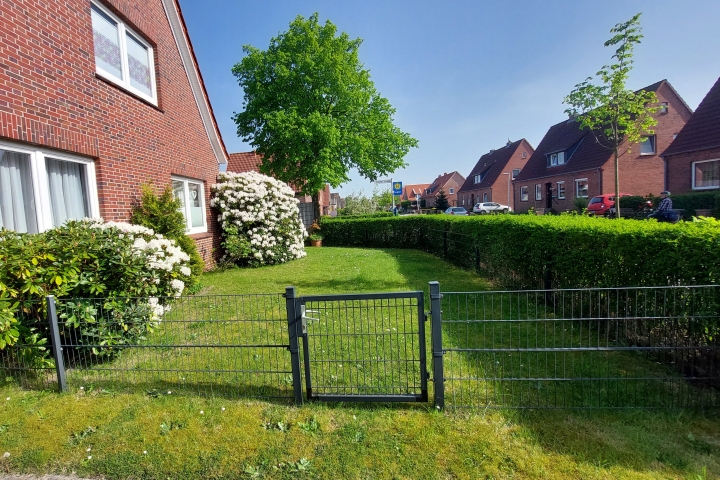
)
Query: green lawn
[{"x": 181, "y": 435}]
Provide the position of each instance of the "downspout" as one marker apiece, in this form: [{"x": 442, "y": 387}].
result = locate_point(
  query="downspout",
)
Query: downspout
[
  {"x": 491, "y": 197},
  {"x": 600, "y": 182}
]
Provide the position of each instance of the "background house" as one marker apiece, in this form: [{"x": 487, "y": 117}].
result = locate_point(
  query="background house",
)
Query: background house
[
  {"x": 450, "y": 183},
  {"x": 570, "y": 164},
  {"x": 97, "y": 98},
  {"x": 412, "y": 192},
  {"x": 490, "y": 179},
  {"x": 693, "y": 159}
]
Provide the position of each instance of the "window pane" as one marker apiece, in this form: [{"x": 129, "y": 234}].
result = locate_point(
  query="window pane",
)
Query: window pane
[
  {"x": 107, "y": 43},
  {"x": 17, "y": 203},
  {"x": 139, "y": 65},
  {"x": 648, "y": 145},
  {"x": 707, "y": 174},
  {"x": 197, "y": 215},
  {"x": 68, "y": 191},
  {"x": 179, "y": 192}
]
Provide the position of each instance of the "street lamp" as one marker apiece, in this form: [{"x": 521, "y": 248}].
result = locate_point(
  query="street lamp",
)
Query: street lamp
[{"x": 508, "y": 189}]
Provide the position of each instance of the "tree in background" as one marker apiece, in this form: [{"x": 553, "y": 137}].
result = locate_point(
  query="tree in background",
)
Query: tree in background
[
  {"x": 441, "y": 201},
  {"x": 312, "y": 112},
  {"x": 614, "y": 114},
  {"x": 358, "y": 204}
]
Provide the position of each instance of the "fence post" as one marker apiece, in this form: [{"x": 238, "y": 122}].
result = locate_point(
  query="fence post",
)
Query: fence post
[
  {"x": 437, "y": 350},
  {"x": 292, "y": 316},
  {"x": 56, "y": 345}
]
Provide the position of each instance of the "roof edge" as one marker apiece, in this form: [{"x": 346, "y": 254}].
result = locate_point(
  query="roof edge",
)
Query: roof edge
[{"x": 192, "y": 69}]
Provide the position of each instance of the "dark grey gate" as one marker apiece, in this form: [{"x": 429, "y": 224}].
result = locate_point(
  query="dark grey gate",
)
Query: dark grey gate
[{"x": 363, "y": 347}]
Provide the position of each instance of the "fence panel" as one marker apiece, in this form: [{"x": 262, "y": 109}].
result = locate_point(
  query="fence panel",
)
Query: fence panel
[
  {"x": 230, "y": 345},
  {"x": 584, "y": 348}
]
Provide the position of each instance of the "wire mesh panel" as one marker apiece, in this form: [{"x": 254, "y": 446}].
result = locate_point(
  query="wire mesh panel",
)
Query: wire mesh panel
[
  {"x": 29, "y": 362},
  {"x": 365, "y": 347},
  {"x": 585, "y": 348},
  {"x": 234, "y": 345}
]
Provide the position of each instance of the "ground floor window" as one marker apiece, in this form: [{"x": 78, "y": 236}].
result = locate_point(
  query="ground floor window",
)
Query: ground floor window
[
  {"x": 485, "y": 197},
  {"x": 538, "y": 191},
  {"x": 524, "y": 193},
  {"x": 581, "y": 188},
  {"x": 41, "y": 189},
  {"x": 706, "y": 174},
  {"x": 191, "y": 194},
  {"x": 560, "y": 190}
]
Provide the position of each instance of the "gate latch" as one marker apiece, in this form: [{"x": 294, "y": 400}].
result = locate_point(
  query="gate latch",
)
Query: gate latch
[{"x": 305, "y": 318}]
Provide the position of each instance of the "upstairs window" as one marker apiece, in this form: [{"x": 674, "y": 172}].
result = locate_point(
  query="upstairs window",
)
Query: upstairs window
[
  {"x": 121, "y": 56},
  {"x": 647, "y": 145},
  {"x": 452, "y": 190},
  {"x": 515, "y": 173},
  {"x": 555, "y": 159},
  {"x": 663, "y": 107}
]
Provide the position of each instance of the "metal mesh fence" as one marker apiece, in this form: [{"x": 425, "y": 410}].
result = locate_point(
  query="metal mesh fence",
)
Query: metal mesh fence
[
  {"x": 30, "y": 362},
  {"x": 233, "y": 346},
  {"x": 370, "y": 347},
  {"x": 586, "y": 348}
]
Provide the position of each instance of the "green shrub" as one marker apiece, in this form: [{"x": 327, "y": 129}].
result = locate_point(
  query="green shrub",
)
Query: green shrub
[
  {"x": 692, "y": 202},
  {"x": 162, "y": 214},
  {"x": 575, "y": 251},
  {"x": 120, "y": 264},
  {"x": 635, "y": 202}
]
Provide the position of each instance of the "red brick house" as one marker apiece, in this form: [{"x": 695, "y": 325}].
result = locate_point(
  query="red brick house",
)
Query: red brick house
[
  {"x": 97, "y": 97},
  {"x": 412, "y": 192},
  {"x": 693, "y": 159},
  {"x": 450, "y": 183},
  {"x": 489, "y": 180},
  {"x": 569, "y": 163}
]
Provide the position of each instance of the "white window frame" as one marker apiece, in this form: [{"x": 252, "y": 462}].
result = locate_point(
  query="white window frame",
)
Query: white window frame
[
  {"x": 563, "y": 190},
  {"x": 189, "y": 229},
  {"x": 663, "y": 107},
  {"x": 515, "y": 173},
  {"x": 524, "y": 193},
  {"x": 41, "y": 187},
  {"x": 693, "y": 174},
  {"x": 486, "y": 196},
  {"x": 125, "y": 84},
  {"x": 654, "y": 144},
  {"x": 452, "y": 191},
  {"x": 578, "y": 181},
  {"x": 538, "y": 191}
]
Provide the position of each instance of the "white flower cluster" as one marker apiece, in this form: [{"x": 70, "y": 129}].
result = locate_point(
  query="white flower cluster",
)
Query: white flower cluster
[
  {"x": 166, "y": 262},
  {"x": 264, "y": 212}
]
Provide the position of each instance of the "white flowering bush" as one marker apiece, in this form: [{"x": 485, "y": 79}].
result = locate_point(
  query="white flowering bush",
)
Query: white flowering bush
[
  {"x": 112, "y": 281},
  {"x": 260, "y": 219}
]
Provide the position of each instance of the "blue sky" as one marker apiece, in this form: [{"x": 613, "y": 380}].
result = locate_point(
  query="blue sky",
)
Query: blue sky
[{"x": 464, "y": 76}]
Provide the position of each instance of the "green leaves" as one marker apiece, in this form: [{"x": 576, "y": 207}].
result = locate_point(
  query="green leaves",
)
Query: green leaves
[{"x": 312, "y": 111}]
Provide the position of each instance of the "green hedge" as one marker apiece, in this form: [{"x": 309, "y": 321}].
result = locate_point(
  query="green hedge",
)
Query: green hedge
[
  {"x": 525, "y": 251},
  {"x": 690, "y": 203},
  {"x": 367, "y": 215}
]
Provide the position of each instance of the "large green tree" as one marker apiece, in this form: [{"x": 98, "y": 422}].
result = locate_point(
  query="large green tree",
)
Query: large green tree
[
  {"x": 616, "y": 116},
  {"x": 312, "y": 112}
]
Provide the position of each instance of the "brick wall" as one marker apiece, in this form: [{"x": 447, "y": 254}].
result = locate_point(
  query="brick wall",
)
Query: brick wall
[
  {"x": 679, "y": 169},
  {"x": 50, "y": 95},
  {"x": 591, "y": 177}
]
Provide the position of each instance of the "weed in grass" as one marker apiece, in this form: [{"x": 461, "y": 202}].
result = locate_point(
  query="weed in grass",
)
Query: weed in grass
[
  {"x": 78, "y": 437},
  {"x": 4, "y": 428},
  {"x": 311, "y": 426},
  {"x": 279, "y": 426},
  {"x": 167, "y": 427}
]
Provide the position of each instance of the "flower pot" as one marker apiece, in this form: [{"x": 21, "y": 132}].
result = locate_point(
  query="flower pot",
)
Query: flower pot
[{"x": 316, "y": 243}]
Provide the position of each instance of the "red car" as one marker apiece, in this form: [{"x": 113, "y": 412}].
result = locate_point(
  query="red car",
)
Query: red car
[{"x": 602, "y": 203}]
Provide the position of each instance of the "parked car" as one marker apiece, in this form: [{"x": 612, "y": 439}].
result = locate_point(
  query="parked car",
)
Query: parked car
[
  {"x": 490, "y": 207},
  {"x": 600, "y": 204},
  {"x": 456, "y": 211}
]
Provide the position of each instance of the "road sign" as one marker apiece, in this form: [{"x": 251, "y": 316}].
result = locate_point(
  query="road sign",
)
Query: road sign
[{"x": 397, "y": 188}]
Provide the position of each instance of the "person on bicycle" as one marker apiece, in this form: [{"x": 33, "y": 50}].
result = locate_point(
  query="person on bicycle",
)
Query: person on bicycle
[{"x": 664, "y": 212}]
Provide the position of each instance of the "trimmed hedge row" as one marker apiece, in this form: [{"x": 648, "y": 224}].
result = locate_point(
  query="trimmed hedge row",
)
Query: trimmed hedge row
[
  {"x": 566, "y": 251},
  {"x": 690, "y": 203}
]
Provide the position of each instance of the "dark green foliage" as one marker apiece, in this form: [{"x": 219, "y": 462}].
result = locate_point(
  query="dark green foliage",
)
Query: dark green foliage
[
  {"x": 690, "y": 203},
  {"x": 635, "y": 202},
  {"x": 405, "y": 204},
  {"x": 162, "y": 214},
  {"x": 366, "y": 215},
  {"x": 441, "y": 201},
  {"x": 573, "y": 251}
]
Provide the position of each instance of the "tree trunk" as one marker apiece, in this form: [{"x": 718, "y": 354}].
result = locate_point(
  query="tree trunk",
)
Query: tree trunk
[
  {"x": 316, "y": 206},
  {"x": 617, "y": 184}
]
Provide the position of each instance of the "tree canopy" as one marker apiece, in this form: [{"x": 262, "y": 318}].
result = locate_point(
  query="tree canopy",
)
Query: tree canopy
[
  {"x": 312, "y": 112},
  {"x": 614, "y": 114}
]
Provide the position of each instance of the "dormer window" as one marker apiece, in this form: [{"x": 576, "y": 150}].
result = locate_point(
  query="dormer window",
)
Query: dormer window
[{"x": 555, "y": 159}]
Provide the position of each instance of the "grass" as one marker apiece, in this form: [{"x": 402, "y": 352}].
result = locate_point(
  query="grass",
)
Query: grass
[{"x": 155, "y": 434}]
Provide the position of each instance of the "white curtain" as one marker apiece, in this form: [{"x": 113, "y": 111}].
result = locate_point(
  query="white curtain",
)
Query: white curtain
[
  {"x": 17, "y": 203},
  {"x": 68, "y": 196}
]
